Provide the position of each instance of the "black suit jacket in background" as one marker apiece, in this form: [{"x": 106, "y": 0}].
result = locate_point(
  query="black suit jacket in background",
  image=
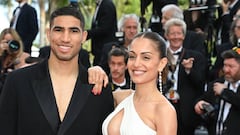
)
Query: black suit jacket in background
[
  {"x": 195, "y": 41},
  {"x": 232, "y": 122},
  {"x": 28, "y": 105},
  {"x": 190, "y": 87},
  {"x": 103, "y": 28},
  {"x": 27, "y": 26}
]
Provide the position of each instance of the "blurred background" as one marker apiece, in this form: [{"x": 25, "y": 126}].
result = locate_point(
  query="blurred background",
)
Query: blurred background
[{"x": 45, "y": 7}]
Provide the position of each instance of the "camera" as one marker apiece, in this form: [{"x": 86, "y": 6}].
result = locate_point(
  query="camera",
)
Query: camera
[
  {"x": 119, "y": 36},
  {"x": 209, "y": 111},
  {"x": 13, "y": 46},
  {"x": 74, "y": 3},
  {"x": 198, "y": 2}
]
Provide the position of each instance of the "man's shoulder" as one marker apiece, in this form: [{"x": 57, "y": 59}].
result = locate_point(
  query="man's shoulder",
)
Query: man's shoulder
[
  {"x": 32, "y": 70},
  {"x": 28, "y": 7},
  {"x": 109, "y": 4},
  {"x": 193, "y": 34},
  {"x": 193, "y": 52},
  {"x": 110, "y": 45}
]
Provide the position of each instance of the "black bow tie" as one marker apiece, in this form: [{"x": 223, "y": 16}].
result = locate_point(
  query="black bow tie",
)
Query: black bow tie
[
  {"x": 114, "y": 86},
  {"x": 177, "y": 53}
]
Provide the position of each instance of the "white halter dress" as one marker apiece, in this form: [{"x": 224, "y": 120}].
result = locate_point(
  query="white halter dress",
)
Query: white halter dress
[{"x": 131, "y": 123}]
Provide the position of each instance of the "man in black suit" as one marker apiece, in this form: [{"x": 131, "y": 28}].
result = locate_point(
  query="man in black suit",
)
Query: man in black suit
[
  {"x": 216, "y": 70},
  {"x": 54, "y": 97},
  {"x": 223, "y": 23},
  {"x": 186, "y": 77},
  {"x": 104, "y": 27},
  {"x": 223, "y": 95},
  {"x": 25, "y": 22}
]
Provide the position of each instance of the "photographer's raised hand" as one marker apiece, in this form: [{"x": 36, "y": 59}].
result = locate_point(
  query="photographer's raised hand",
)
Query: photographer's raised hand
[
  {"x": 225, "y": 6},
  {"x": 3, "y": 46}
]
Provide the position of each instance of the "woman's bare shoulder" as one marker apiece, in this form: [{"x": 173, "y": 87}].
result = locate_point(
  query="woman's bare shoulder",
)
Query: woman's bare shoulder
[{"x": 165, "y": 106}]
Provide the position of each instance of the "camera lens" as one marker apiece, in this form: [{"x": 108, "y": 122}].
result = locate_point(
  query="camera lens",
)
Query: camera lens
[{"x": 13, "y": 45}]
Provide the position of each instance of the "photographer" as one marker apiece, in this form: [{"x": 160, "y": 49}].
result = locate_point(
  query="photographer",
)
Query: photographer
[
  {"x": 226, "y": 13},
  {"x": 155, "y": 20},
  {"x": 224, "y": 96},
  {"x": 11, "y": 53},
  {"x": 199, "y": 14}
]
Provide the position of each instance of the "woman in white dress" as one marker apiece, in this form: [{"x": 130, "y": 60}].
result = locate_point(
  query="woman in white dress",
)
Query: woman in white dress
[{"x": 145, "y": 111}]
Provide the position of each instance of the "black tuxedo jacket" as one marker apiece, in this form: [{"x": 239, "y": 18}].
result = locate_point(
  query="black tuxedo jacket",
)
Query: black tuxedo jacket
[
  {"x": 28, "y": 105},
  {"x": 232, "y": 122},
  {"x": 195, "y": 41},
  {"x": 103, "y": 28},
  {"x": 190, "y": 87},
  {"x": 27, "y": 26}
]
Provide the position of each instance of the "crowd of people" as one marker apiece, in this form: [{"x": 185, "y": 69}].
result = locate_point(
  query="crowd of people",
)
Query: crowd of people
[{"x": 161, "y": 81}]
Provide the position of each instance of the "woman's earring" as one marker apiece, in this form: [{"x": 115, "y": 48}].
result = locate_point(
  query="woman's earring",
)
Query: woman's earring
[{"x": 160, "y": 81}]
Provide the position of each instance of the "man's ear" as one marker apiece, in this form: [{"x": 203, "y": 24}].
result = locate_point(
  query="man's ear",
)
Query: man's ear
[
  {"x": 84, "y": 36},
  {"x": 48, "y": 34}
]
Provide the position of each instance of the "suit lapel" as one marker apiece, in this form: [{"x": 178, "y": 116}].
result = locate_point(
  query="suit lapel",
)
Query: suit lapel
[
  {"x": 238, "y": 89},
  {"x": 43, "y": 90}
]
